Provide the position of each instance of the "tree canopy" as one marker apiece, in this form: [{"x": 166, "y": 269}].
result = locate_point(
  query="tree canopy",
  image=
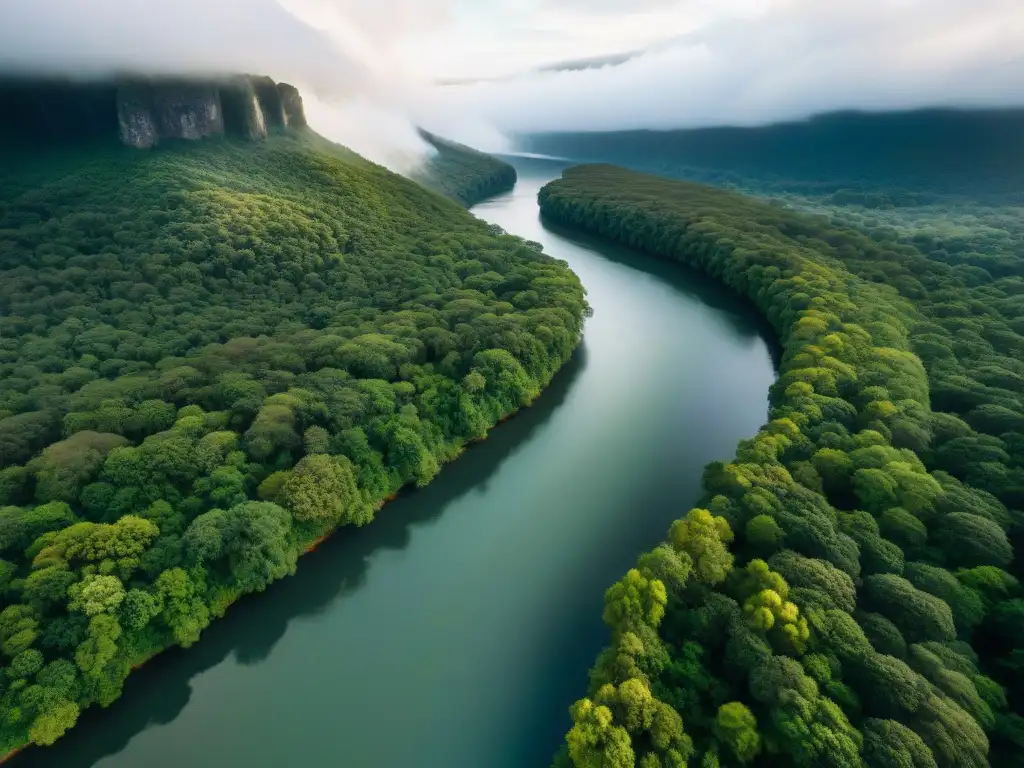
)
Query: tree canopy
[
  {"x": 844, "y": 600},
  {"x": 211, "y": 355}
]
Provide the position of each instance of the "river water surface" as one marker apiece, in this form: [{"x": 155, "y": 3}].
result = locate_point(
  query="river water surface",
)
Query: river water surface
[{"x": 455, "y": 631}]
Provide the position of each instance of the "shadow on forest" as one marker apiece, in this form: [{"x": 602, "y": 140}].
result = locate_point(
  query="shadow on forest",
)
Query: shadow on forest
[
  {"x": 159, "y": 692},
  {"x": 744, "y": 318}
]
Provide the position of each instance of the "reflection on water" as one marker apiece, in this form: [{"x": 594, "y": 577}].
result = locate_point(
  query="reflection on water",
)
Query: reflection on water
[
  {"x": 160, "y": 691},
  {"x": 456, "y": 630}
]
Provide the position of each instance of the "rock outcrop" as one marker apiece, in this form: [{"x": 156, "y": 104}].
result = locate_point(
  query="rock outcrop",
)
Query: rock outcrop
[
  {"x": 142, "y": 112},
  {"x": 269, "y": 98},
  {"x": 149, "y": 112},
  {"x": 242, "y": 110},
  {"x": 137, "y": 126},
  {"x": 291, "y": 100}
]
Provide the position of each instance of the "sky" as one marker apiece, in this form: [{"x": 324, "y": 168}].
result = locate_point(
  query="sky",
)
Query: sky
[
  {"x": 738, "y": 63},
  {"x": 369, "y": 69}
]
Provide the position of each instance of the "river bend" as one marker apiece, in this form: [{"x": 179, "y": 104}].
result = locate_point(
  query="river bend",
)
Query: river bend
[{"x": 455, "y": 631}]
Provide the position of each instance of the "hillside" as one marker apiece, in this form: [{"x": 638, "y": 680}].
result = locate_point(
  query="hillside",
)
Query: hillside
[
  {"x": 847, "y": 591},
  {"x": 463, "y": 173},
  {"x": 143, "y": 112},
  {"x": 212, "y": 354}
]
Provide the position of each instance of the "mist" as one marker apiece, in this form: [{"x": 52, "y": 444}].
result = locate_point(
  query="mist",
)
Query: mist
[
  {"x": 798, "y": 59},
  {"x": 369, "y": 70},
  {"x": 350, "y": 93}
]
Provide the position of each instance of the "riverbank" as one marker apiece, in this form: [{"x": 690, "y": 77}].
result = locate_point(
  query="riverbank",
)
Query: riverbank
[
  {"x": 804, "y": 544},
  {"x": 316, "y": 544},
  {"x": 482, "y": 589},
  {"x": 270, "y": 377}
]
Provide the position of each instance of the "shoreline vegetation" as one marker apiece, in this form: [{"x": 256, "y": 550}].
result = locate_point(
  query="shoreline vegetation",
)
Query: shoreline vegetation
[
  {"x": 846, "y": 592},
  {"x": 213, "y": 355},
  {"x": 138, "y": 664}
]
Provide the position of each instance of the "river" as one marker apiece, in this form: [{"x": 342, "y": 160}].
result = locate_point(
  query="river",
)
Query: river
[{"x": 456, "y": 630}]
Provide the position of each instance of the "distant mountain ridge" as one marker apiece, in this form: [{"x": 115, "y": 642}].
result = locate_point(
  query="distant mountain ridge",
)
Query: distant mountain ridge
[{"x": 945, "y": 148}]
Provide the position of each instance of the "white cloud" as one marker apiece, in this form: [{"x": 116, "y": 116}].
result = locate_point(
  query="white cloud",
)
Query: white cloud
[
  {"x": 798, "y": 58},
  {"x": 88, "y": 37},
  {"x": 352, "y": 95},
  {"x": 728, "y": 61},
  {"x": 488, "y": 38}
]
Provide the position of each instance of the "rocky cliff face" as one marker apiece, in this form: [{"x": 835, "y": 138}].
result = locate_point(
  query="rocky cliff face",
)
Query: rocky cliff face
[
  {"x": 142, "y": 112},
  {"x": 291, "y": 100},
  {"x": 244, "y": 106},
  {"x": 242, "y": 111},
  {"x": 268, "y": 95},
  {"x": 149, "y": 112},
  {"x": 137, "y": 126}
]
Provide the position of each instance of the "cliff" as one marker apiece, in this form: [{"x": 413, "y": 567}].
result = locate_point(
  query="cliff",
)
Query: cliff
[
  {"x": 147, "y": 113},
  {"x": 291, "y": 101},
  {"x": 142, "y": 112}
]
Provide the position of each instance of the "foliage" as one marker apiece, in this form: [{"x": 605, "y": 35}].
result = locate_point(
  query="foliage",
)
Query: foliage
[
  {"x": 736, "y": 728},
  {"x": 212, "y": 355},
  {"x": 885, "y": 537},
  {"x": 462, "y": 173}
]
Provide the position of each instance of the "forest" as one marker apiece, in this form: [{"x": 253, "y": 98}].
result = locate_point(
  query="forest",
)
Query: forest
[
  {"x": 462, "y": 173},
  {"x": 950, "y": 183},
  {"x": 846, "y": 592},
  {"x": 214, "y": 354}
]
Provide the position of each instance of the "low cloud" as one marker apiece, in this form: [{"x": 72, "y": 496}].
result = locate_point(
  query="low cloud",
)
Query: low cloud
[
  {"x": 352, "y": 96},
  {"x": 798, "y": 58},
  {"x": 88, "y": 38},
  {"x": 369, "y": 69}
]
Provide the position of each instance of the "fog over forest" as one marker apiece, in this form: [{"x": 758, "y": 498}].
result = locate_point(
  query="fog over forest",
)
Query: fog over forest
[{"x": 371, "y": 70}]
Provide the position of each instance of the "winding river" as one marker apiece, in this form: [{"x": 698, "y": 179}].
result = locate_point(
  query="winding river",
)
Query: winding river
[{"x": 455, "y": 631}]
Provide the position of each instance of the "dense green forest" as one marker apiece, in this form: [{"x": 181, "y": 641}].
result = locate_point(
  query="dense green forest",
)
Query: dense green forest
[
  {"x": 846, "y": 593},
  {"x": 212, "y": 355},
  {"x": 462, "y": 173},
  {"x": 949, "y": 183}
]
